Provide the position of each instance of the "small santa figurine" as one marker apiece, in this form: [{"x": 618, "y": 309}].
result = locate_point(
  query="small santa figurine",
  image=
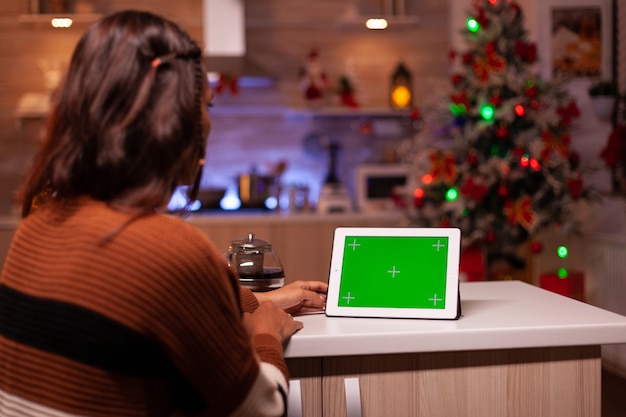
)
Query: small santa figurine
[{"x": 314, "y": 82}]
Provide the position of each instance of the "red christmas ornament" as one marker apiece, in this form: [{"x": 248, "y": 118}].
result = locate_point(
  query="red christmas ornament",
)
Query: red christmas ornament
[
  {"x": 444, "y": 222},
  {"x": 526, "y": 51},
  {"x": 482, "y": 18},
  {"x": 503, "y": 190},
  {"x": 536, "y": 246},
  {"x": 516, "y": 9},
  {"x": 502, "y": 132},
  {"x": 472, "y": 159},
  {"x": 496, "y": 100},
  {"x": 531, "y": 92},
  {"x": 534, "y": 104},
  {"x": 418, "y": 197},
  {"x": 490, "y": 48},
  {"x": 575, "y": 187},
  {"x": 467, "y": 58},
  {"x": 460, "y": 99},
  {"x": 456, "y": 79},
  {"x": 473, "y": 190},
  {"x": 518, "y": 151},
  {"x": 574, "y": 160},
  {"x": 415, "y": 114}
]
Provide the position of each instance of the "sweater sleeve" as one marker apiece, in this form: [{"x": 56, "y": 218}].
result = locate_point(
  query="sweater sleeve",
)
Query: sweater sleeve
[
  {"x": 205, "y": 334},
  {"x": 249, "y": 302}
]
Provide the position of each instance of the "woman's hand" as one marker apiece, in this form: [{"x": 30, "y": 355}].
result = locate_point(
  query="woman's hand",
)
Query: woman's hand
[
  {"x": 269, "y": 319},
  {"x": 298, "y": 297}
]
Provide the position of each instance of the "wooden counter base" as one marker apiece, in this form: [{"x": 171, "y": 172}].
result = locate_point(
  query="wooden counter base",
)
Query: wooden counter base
[{"x": 534, "y": 382}]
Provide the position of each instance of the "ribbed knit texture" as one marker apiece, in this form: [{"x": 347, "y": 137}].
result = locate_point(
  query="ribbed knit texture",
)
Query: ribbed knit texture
[{"x": 144, "y": 323}]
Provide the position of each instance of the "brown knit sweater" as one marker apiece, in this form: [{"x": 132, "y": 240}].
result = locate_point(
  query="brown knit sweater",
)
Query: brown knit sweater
[{"x": 102, "y": 316}]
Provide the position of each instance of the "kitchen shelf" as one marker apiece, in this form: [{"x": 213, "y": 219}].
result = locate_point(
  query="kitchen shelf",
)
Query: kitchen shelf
[{"x": 45, "y": 18}]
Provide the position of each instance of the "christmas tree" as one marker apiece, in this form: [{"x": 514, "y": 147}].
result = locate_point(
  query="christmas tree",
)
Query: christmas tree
[{"x": 502, "y": 170}]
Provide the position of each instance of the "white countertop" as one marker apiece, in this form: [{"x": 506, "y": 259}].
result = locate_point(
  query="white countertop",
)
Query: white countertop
[
  {"x": 208, "y": 218},
  {"x": 496, "y": 315}
]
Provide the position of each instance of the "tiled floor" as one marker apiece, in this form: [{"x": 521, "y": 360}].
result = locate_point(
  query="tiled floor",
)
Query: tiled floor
[{"x": 613, "y": 395}]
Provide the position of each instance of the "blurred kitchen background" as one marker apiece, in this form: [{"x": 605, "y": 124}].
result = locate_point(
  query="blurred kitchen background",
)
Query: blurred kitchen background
[{"x": 267, "y": 121}]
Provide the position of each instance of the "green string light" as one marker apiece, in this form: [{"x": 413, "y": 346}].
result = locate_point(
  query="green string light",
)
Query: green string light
[
  {"x": 472, "y": 25},
  {"x": 562, "y": 273},
  {"x": 452, "y": 194},
  {"x": 487, "y": 112},
  {"x": 457, "y": 109},
  {"x": 562, "y": 252}
]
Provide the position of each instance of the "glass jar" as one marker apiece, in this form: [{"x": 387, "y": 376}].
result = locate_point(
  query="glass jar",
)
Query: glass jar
[{"x": 256, "y": 263}]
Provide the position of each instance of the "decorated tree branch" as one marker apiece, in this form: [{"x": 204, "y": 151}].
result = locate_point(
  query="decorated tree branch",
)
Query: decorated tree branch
[{"x": 498, "y": 165}]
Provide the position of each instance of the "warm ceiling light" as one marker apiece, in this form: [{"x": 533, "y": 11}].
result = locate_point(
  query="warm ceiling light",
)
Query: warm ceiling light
[
  {"x": 61, "y": 22},
  {"x": 376, "y": 23}
]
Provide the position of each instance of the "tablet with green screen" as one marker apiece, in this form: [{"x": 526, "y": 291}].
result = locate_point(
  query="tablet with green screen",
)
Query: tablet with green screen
[{"x": 395, "y": 272}]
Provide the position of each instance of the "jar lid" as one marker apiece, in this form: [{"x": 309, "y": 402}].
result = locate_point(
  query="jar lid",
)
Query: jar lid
[{"x": 249, "y": 243}]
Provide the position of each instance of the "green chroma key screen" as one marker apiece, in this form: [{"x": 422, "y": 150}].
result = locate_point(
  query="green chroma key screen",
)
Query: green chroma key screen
[{"x": 396, "y": 272}]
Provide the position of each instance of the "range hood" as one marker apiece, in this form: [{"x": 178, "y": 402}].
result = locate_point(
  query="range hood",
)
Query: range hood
[{"x": 224, "y": 35}]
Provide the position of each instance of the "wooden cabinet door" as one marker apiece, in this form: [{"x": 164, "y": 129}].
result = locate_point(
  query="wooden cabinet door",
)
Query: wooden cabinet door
[
  {"x": 539, "y": 382},
  {"x": 305, "y": 376},
  {"x": 386, "y": 386}
]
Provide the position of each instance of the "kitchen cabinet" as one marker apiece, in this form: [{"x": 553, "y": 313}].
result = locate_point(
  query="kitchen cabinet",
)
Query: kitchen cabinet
[
  {"x": 303, "y": 242},
  {"x": 517, "y": 351},
  {"x": 491, "y": 383}
]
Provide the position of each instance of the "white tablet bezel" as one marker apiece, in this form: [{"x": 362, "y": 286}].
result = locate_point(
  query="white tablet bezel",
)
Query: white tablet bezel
[{"x": 451, "y": 310}]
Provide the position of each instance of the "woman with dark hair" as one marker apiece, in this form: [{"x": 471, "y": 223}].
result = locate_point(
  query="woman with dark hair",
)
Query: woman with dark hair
[{"x": 109, "y": 306}]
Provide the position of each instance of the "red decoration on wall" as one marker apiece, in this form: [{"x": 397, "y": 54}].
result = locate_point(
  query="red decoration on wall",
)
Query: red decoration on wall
[
  {"x": 569, "y": 112},
  {"x": 614, "y": 151}
]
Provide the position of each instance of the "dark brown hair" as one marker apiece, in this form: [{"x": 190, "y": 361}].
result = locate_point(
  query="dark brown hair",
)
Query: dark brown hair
[{"x": 126, "y": 124}]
